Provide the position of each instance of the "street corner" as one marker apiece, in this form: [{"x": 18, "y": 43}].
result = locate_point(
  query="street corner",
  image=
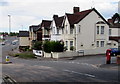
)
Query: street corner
[{"x": 112, "y": 66}]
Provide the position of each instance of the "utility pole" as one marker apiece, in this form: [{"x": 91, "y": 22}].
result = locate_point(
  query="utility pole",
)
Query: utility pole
[{"x": 9, "y": 16}]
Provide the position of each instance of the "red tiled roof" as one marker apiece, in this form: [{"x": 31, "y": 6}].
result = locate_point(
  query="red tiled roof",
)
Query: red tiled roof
[
  {"x": 59, "y": 21},
  {"x": 46, "y": 23},
  {"x": 76, "y": 17}
]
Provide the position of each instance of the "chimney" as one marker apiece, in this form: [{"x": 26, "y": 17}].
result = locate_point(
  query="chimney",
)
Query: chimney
[
  {"x": 55, "y": 16},
  {"x": 76, "y": 9}
]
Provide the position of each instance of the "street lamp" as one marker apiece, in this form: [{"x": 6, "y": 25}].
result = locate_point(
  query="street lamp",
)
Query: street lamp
[{"x": 9, "y": 23}]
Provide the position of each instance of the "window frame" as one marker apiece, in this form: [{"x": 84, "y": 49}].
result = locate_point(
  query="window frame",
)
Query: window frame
[
  {"x": 102, "y": 30},
  {"x": 98, "y": 32},
  {"x": 102, "y": 44}
]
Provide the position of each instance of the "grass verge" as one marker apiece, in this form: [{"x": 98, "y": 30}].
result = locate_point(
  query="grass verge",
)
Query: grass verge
[{"x": 25, "y": 55}]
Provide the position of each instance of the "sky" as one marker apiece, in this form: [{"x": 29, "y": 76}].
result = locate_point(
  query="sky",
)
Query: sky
[{"x": 25, "y": 13}]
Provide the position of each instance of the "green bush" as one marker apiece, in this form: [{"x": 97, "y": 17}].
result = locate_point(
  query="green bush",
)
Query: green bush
[
  {"x": 47, "y": 46},
  {"x": 53, "y": 46},
  {"x": 72, "y": 48},
  {"x": 37, "y": 45}
]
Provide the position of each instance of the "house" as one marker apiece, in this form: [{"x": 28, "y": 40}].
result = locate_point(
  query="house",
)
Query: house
[
  {"x": 114, "y": 30},
  {"x": 84, "y": 30},
  {"x": 45, "y": 26},
  {"x": 39, "y": 33},
  {"x": 33, "y": 34},
  {"x": 57, "y": 28},
  {"x": 23, "y": 39}
]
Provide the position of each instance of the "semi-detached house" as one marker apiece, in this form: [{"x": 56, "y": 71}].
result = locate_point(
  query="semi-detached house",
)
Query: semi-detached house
[
  {"x": 83, "y": 30},
  {"x": 114, "y": 30},
  {"x": 33, "y": 34},
  {"x": 45, "y": 27}
]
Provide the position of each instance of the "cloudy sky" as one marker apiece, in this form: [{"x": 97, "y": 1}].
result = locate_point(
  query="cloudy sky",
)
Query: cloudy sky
[{"x": 31, "y": 12}]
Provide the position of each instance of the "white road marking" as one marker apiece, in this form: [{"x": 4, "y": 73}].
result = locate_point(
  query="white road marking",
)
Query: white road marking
[{"x": 89, "y": 75}]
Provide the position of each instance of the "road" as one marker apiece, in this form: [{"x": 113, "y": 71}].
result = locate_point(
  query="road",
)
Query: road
[{"x": 83, "y": 69}]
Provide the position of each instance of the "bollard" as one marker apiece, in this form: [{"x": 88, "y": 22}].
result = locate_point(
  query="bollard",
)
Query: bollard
[
  {"x": 7, "y": 59},
  {"x": 108, "y": 56}
]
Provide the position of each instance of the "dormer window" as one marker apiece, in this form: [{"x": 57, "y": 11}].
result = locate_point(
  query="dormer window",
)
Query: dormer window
[{"x": 116, "y": 20}]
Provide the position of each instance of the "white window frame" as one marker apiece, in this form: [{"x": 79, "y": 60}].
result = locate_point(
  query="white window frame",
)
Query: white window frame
[
  {"x": 97, "y": 43},
  {"x": 102, "y": 29},
  {"x": 98, "y": 30},
  {"x": 57, "y": 30},
  {"x": 102, "y": 43},
  {"x": 71, "y": 43},
  {"x": 71, "y": 30}
]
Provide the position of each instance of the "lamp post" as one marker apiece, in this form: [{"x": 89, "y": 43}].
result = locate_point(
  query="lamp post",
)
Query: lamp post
[{"x": 9, "y": 23}]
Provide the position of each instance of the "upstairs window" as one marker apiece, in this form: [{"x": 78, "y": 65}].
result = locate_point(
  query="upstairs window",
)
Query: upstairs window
[
  {"x": 62, "y": 31},
  {"x": 71, "y": 30},
  {"x": 57, "y": 31},
  {"x": 102, "y": 29},
  {"x": 116, "y": 20},
  {"x": 97, "y": 29},
  {"x": 66, "y": 29}
]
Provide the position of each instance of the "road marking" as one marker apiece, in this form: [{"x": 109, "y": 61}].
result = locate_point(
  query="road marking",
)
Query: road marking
[
  {"x": 90, "y": 65},
  {"x": 89, "y": 75}
]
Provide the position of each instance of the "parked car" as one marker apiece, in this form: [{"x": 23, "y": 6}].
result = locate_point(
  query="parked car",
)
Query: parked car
[
  {"x": 38, "y": 53},
  {"x": 3, "y": 43},
  {"x": 115, "y": 51}
]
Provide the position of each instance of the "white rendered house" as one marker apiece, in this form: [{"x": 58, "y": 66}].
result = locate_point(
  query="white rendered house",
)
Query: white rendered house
[
  {"x": 84, "y": 30},
  {"x": 57, "y": 28}
]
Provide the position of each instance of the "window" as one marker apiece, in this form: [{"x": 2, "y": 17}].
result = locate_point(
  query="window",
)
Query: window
[
  {"x": 102, "y": 29},
  {"x": 67, "y": 44},
  {"x": 66, "y": 29},
  {"x": 102, "y": 43},
  {"x": 116, "y": 20},
  {"x": 53, "y": 30},
  {"x": 71, "y": 30},
  {"x": 97, "y": 29},
  {"x": 71, "y": 43},
  {"x": 110, "y": 31},
  {"x": 97, "y": 43},
  {"x": 57, "y": 31}
]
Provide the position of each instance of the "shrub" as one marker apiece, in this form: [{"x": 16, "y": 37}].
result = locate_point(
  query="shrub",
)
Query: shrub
[
  {"x": 37, "y": 45},
  {"x": 53, "y": 46},
  {"x": 47, "y": 46},
  {"x": 72, "y": 48}
]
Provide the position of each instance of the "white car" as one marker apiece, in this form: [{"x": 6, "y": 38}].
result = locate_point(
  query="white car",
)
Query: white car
[
  {"x": 3, "y": 43},
  {"x": 38, "y": 53}
]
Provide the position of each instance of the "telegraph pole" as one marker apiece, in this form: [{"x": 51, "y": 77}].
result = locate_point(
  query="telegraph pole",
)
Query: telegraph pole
[{"x": 9, "y": 16}]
